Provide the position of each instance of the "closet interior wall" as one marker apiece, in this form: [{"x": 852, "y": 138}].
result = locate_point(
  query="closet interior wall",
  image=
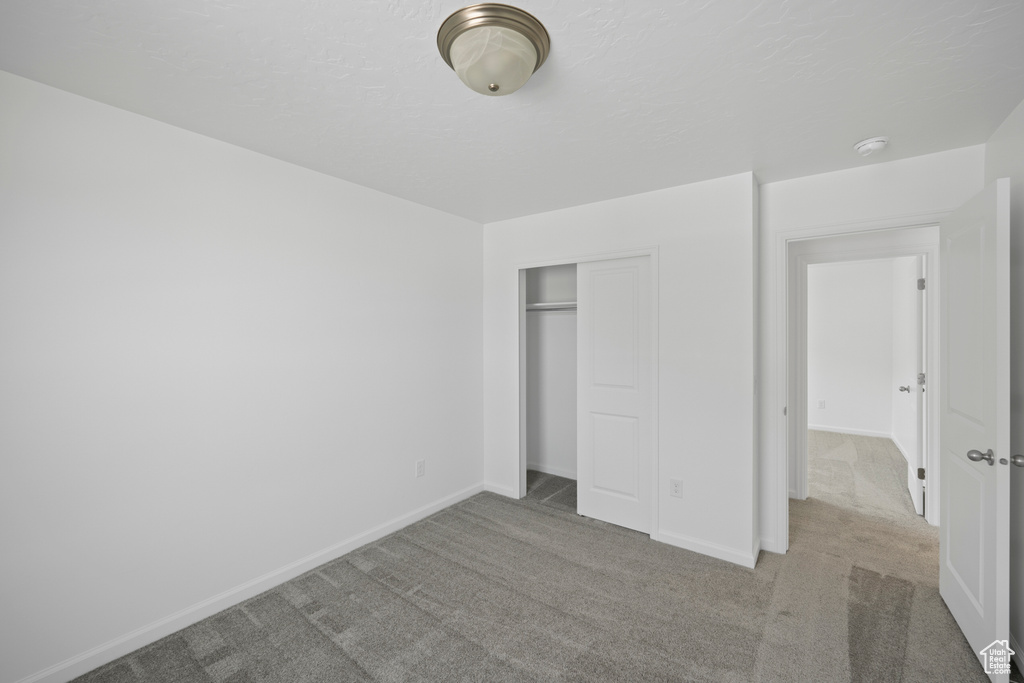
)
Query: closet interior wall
[{"x": 551, "y": 369}]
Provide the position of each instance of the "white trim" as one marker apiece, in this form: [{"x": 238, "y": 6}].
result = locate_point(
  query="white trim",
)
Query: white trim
[
  {"x": 776, "y": 406},
  {"x": 743, "y": 558},
  {"x": 910, "y": 220},
  {"x": 655, "y": 393},
  {"x": 548, "y": 469},
  {"x": 524, "y": 436},
  {"x": 594, "y": 256},
  {"x": 797, "y": 399},
  {"x": 770, "y": 545},
  {"x": 133, "y": 640},
  {"x": 853, "y": 431}
]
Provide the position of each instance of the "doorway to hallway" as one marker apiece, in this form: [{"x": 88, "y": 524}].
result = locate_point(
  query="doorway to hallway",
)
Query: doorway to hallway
[
  {"x": 919, "y": 243},
  {"x": 866, "y": 359}
]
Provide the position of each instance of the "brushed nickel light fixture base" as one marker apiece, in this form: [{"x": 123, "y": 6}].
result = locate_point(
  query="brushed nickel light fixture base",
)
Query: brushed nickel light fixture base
[{"x": 494, "y": 48}]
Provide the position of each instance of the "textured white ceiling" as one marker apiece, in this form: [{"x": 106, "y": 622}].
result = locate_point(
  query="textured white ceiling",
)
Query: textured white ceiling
[{"x": 635, "y": 96}]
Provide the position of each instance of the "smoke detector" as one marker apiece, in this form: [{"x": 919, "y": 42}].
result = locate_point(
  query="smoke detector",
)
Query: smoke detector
[{"x": 866, "y": 147}]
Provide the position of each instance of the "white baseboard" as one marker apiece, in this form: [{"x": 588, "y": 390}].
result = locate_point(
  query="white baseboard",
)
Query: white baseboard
[
  {"x": 551, "y": 469},
  {"x": 742, "y": 558},
  {"x": 500, "y": 490},
  {"x": 129, "y": 642},
  {"x": 850, "y": 430}
]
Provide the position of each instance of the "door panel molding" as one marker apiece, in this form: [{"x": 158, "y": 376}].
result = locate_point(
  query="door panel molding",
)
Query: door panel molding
[{"x": 611, "y": 435}]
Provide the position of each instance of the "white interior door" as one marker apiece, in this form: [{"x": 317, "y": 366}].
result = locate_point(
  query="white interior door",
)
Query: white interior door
[
  {"x": 914, "y": 483},
  {"x": 907, "y": 366},
  {"x": 614, "y": 391},
  {"x": 975, "y": 412}
]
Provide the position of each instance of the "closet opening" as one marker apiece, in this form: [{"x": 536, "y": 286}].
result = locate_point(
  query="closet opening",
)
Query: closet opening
[
  {"x": 549, "y": 350},
  {"x": 588, "y": 386}
]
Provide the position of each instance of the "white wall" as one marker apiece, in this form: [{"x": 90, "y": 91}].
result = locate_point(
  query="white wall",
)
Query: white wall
[
  {"x": 910, "y": 191},
  {"x": 551, "y": 371},
  {"x": 216, "y": 371},
  {"x": 862, "y": 340},
  {"x": 849, "y": 347},
  {"x": 1005, "y": 158},
  {"x": 906, "y": 354},
  {"x": 551, "y": 392},
  {"x": 704, "y": 238},
  {"x": 551, "y": 284}
]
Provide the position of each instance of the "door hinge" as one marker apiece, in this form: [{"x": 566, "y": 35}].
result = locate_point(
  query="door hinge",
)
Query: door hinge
[
  {"x": 920, "y": 473},
  {"x": 920, "y": 283}
]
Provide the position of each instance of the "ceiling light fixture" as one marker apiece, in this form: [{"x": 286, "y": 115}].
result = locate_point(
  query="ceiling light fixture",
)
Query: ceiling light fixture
[
  {"x": 866, "y": 147},
  {"x": 493, "y": 48}
]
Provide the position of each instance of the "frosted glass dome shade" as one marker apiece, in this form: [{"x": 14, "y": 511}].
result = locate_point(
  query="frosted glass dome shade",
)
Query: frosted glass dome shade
[{"x": 493, "y": 60}]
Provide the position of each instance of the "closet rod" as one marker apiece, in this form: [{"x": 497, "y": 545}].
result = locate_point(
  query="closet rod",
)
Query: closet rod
[{"x": 553, "y": 306}]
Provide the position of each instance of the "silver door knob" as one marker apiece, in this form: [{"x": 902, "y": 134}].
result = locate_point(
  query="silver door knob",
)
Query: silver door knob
[
  {"x": 1017, "y": 460},
  {"x": 978, "y": 456},
  {"x": 906, "y": 389}
]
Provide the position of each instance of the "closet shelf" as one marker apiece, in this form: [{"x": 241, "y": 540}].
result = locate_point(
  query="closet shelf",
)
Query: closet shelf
[{"x": 553, "y": 306}]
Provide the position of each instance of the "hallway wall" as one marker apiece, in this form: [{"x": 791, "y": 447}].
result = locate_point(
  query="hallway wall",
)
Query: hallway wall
[{"x": 849, "y": 347}]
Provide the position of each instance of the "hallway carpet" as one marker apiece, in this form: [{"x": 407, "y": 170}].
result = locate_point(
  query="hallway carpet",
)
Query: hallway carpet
[
  {"x": 862, "y": 473},
  {"x": 494, "y": 589}
]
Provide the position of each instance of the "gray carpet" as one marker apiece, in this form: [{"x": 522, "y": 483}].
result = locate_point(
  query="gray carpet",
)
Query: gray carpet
[
  {"x": 861, "y": 473},
  {"x": 494, "y": 589}
]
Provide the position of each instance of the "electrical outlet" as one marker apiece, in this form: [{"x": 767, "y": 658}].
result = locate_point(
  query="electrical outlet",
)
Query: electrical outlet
[
  {"x": 821, "y": 404},
  {"x": 421, "y": 468},
  {"x": 675, "y": 488}
]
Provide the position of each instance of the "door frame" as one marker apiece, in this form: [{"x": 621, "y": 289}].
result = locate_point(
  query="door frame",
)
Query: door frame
[
  {"x": 774, "y": 420},
  {"x": 862, "y": 246},
  {"x": 652, "y": 254}
]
